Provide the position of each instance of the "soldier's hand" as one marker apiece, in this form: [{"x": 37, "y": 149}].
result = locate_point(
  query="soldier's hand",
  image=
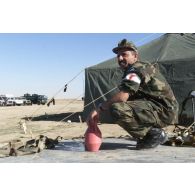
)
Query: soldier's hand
[{"x": 92, "y": 118}]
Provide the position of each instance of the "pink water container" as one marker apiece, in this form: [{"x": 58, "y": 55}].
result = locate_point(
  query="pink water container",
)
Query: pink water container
[{"x": 93, "y": 138}]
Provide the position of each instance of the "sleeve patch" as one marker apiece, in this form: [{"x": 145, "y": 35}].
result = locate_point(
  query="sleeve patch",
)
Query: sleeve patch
[{"x": 133, "y": 77}]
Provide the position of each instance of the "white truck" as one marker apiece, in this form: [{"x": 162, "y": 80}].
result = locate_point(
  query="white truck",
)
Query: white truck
[
  {"x": 18, "y": 101},
  {"x": 25, "y": 101},
  {"x": 12, "y": 101},
  {"x": 9, "y": 100}
]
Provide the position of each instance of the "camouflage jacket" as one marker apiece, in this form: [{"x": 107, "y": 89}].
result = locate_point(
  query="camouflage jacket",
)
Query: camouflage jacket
[{"x": 143, "y": 81}]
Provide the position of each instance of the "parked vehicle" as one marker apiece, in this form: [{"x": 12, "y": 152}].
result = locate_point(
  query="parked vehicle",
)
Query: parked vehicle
[
  {"x": 36, "y": 99},
  {"x": 25, "y": 101},
  {"x": 2, "y": 101},
  {"x": 10, "y": 101},
  {"x": 18, "y": 101}
]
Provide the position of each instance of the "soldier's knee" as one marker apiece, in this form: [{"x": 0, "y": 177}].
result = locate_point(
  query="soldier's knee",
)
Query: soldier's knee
[{"x": 117, "y": 111}]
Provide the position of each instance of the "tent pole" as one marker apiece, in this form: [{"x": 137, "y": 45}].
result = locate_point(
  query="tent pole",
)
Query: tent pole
[{"x": 193, "y": 110}]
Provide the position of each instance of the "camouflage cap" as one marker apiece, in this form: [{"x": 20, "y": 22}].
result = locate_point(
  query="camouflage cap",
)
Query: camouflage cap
[{"x": 124, "y": 44}]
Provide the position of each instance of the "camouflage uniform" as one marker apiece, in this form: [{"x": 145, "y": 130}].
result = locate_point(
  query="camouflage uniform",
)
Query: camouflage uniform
[{"x": 151, "y": 102}]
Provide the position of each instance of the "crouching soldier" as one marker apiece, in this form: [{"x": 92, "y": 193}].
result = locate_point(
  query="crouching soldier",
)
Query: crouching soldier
[{"x": 145, "y": 102}]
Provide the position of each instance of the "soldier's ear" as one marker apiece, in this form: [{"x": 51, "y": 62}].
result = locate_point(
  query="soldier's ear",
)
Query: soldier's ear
[{"x": 135, "y": 54}]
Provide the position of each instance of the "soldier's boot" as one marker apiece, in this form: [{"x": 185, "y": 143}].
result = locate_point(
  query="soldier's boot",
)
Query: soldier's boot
[{"x": 152, "y": 139}]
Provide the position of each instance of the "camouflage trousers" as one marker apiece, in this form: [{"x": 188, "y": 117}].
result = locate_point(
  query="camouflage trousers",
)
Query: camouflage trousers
[{"x": 136, "y": 117}]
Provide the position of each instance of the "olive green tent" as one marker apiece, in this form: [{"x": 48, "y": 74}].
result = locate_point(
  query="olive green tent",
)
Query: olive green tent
[{"x": 175, "y": 54}]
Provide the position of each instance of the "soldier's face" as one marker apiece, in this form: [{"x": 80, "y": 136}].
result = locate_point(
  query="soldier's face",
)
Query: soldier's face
[{"x": 126, "y": 57}]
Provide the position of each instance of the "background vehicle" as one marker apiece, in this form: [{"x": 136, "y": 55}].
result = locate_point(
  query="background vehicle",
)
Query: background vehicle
[
  {"x": 18, "y": 101},
  {"x": 2, "y": 101},
  {"x": 10, "y": 101},
  {"x": 36, "y": 99},
  {"x": 25, "y": 101}
]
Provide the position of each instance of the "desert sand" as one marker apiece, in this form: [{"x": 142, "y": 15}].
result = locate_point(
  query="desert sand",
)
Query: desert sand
[{"x": 49, "y": 121}]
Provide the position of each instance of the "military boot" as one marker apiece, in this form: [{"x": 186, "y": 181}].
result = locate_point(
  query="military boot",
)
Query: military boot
[{"x": 152, "y": 139}]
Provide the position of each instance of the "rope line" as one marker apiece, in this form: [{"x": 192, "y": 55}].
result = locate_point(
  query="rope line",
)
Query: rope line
[
  {"x": 74, "y": 100},
  {"x": 68, "y": 83},
  {"x": 90, "y": 103},
  {"x": 33, "y": 113},
  {"x": 145, "y": 38}
]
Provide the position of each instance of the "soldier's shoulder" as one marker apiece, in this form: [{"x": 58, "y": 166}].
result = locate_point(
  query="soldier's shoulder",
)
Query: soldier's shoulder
[
  {"x": 140, "y": 65},
  {"x": 145, "y": 63},
  {"x": 146, "y": 68}
]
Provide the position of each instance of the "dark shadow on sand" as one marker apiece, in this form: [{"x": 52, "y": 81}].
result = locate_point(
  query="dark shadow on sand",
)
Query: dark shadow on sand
[
  {"x": 115, "y": 146},
  {"x": 58, "y": 117}
]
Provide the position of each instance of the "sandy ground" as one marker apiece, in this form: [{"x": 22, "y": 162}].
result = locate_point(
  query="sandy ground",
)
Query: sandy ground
[
  {"x": 52, "y": 121},
  {"x": 49, "y": 121}
]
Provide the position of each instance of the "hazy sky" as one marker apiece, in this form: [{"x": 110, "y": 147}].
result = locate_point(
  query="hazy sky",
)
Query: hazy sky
[{"x": 44, "y": 63}]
